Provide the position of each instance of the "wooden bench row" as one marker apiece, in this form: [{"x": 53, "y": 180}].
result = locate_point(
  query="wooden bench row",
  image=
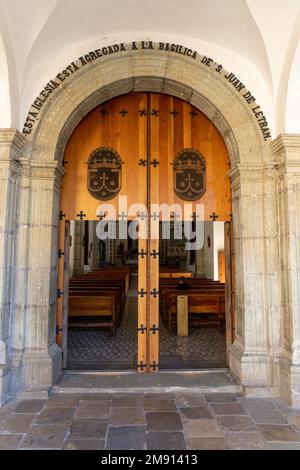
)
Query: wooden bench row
[
  {"x": 205, "y": 302},
  {"x": 99, "y": 295}
]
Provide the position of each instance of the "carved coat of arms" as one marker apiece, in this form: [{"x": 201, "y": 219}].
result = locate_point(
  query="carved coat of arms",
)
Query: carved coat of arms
[
  {"x": 189, "y": 175},
  {"x": 104, "y": 173}
]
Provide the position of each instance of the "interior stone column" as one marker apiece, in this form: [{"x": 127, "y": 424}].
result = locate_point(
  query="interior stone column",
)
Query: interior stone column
[
  {"x": 36, "y": 356},
  {"x": 11, "y": 144},
  {"x": 253, "y": 355},
  {"x": 286, "y": 150}
]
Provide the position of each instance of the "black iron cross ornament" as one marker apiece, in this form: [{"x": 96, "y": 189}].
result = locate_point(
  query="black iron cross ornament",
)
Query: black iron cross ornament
[
  {"x": 193, "y": 114},
  {"x": 81, "y": 215},
  {"x": 122, "y": 216},
  {"x": 141, "y": 365},
  {"x": 155, "y": 112},
  {"x": 154, "y": 365},
  {"x": 154, "y": 329},
  {"x": 214, "y": 216},
  {"x": 62, "y": 215},
  {"x": 142, "y": 292},
  {"x": 142, "y": 329},
  {"x": 123, "y": 112},
  {"x": 155, "y": 292},
  {"x": 142, "y": 162},
  {"x": 155, "y": 162},
  {"x": 143, "y": 112},
  {"x": 174, "y": 113},
  {"x": 154, "y": 253},
  {"x": 103, "y": 111},
  {"x": 142, "y": 253}
]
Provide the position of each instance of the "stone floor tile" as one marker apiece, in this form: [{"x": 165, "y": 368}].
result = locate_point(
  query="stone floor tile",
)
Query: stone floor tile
[
  {"x": 88, "y": 429},
  {"x": 228, "y": 409},
  {"x": 245, "y": 440},
  {"x": 283, "y": 408},
  {"x": 92, "y": 409},
  {"x": 201, "y": 428},
  {"x": 165, "y": 441},
  {"x": 45, "y": 436},
  {"x": 122, "y": 416},
  {"x": 295, "y": 421},
  {"x": 189, "y": 399},
  {"x": 160, "y": 396},
  {"x": 126, "y": 438},
  {"x": 29, "y": 406},
  {"x": 282, "y": 446},
  {"x": 263, "y": 411},
  {"x": 83, "y": 444},
  {"x": 163, "y": 421},
  {"x": 196, "y": 412},
  {"x": 10, "y": 441},
  {"x": 158, "y": 404},
  {"x": 206, "y": 443},
  {"x": 97, "y": 396},
  {"x": 63, "y": 400},
  {"x": 57, "y": 415},
  {"x": 17, "y": 423},
  {"x": 278, "y": 432},
  {"x": 235, "y": 423},
  {"x": 221, "y": 397},
  {"x": 129, "y": 400}
]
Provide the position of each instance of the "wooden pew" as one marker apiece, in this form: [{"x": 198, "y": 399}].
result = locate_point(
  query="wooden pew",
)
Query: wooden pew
[{"x": 199, "y": 303}]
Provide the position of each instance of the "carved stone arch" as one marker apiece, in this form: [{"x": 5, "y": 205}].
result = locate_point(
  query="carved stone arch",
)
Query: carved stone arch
[{"x": 252, "y": 177}]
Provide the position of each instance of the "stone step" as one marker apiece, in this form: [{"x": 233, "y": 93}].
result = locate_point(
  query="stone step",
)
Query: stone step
[{"x": 208, "y": 381}]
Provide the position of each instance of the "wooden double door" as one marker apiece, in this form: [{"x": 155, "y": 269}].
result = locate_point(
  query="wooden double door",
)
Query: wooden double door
[{"x": 147, "y": 131}]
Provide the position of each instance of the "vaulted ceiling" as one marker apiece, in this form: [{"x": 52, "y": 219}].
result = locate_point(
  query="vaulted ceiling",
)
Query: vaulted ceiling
[{"x": 257, "y": 40}]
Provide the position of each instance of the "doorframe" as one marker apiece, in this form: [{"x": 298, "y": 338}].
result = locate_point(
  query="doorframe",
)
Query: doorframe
[{"x": 253, "y": 354}]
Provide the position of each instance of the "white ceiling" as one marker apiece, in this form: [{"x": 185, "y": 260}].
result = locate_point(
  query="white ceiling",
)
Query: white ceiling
[{"x": 254, "y": 39}]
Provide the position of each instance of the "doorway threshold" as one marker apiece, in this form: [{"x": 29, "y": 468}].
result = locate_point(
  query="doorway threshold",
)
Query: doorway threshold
[{"x": 204, "y": 381}]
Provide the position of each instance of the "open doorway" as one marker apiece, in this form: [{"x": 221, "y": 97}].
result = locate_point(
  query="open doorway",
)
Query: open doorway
[
  {"x": 192, "y": 301},
  {"x": 102, "y": 300}
]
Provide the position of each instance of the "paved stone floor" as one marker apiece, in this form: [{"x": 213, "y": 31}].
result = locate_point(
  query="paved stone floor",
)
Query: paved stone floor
[
  {"x": 96, "y": 349},
  {"x": 164, "y": 421}
]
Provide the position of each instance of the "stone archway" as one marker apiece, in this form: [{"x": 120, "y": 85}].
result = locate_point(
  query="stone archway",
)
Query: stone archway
[{"x": 36, "y": 357}]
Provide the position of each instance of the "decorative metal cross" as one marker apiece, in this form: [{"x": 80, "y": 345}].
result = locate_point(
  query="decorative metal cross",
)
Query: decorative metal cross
[
  {"x": 59, "y": 293},
  {"x": 64, "y": 162},
  {"x": 62, "y": 215},
  {"x": 103, "y": 111},
  {"x": 143, "y": 112},
  {"x": 154, "y": 365},
  {"x": 193, "y": 114},
  {"x": 142, "y": 292},
  {"x": 101, "y": 215},
  {"x": 123, "y": 216},
  {"x": 155, "y": 216},
  {"x": 154, "y": 253},
  {"x": 174, "y": 216},
  {"x": 155, "y": 292},
  {"x": 142, "y": 329},
  {"x": 142, "y": 162},
  {"x": 174, "y": 113},
  {"x": 155, "y": 112},
  {"x": 213, "y": 216},
  {"x": 81, "y": 215},
  {"x": 143, "y": 253},
  {"x": 194, "y": 216},
  {"x": 60, "y": 253},
  {"x": 155, "y": 163},
  {"x": 123, "y": 112},
  {"x": 141, "y": 365},
  {"x": 142, "y": 215},
  {"x": 154, "y": 329}
]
